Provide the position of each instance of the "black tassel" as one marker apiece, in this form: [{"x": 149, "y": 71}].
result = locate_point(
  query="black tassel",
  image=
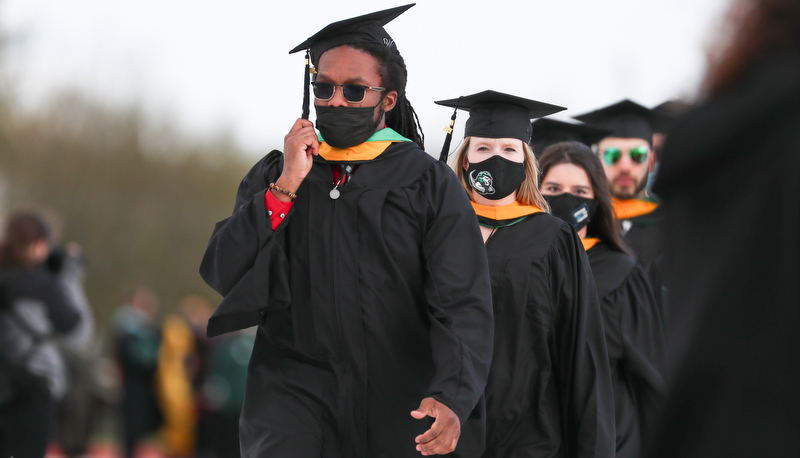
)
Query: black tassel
[
  {"x": 446, "y": 147},
  {"x": 307, "y": 79}
]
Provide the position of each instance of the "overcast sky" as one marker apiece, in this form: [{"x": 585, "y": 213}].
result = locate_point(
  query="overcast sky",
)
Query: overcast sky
[{"x": 211, "y": 65}]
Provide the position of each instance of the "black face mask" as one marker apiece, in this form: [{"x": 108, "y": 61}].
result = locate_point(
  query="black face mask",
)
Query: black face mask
[
  {"x": 572, "y": 209},
  {"x": 495, "y": 177},
  {"x": 343, "y": 127}
]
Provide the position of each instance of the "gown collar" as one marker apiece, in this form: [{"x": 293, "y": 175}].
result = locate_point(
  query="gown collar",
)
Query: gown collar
[
  {"x": 588, "y": 243},
  {"x": 505, "y": 215},
  {"x": 631, "y": 208},
  {"x": 367, "y": 151}
]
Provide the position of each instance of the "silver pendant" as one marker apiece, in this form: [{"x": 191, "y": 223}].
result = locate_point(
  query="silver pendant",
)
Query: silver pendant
[{"x": 334, "y": 193}]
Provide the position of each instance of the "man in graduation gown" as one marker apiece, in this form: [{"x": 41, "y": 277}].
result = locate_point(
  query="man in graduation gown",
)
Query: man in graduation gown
[
  {"x": 358, "y": 257},
  {"x": 628, "y": 159}
]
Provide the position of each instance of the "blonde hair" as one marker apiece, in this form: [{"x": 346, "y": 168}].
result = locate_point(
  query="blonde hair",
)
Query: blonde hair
[{"x": 528, "y": 192}]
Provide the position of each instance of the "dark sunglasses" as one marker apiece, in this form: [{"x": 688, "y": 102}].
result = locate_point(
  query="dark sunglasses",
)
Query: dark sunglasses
[
  {"x": 353, "y": 93},
  {"x": 612, "y": 154}
]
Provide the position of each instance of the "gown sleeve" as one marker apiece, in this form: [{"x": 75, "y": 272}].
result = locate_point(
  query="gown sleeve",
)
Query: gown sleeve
[
  {"x": 582, "y": 358},
  {"x": 457, "y": 290},
  {"x": 245, "y": 261}
]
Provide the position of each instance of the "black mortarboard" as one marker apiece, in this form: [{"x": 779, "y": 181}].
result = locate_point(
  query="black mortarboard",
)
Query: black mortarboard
[
  {"x": 497, "y": 115},
  {"x": 548, "y": 131},
  {"x": 625, "y": 119},
  {"x": 362, "y": 29},
  {"x": 668, "y": 114}
]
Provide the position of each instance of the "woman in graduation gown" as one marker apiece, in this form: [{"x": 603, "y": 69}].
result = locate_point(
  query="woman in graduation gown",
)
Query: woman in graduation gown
[
  {"x": 369, "y": 285},
  {"x": 574, "y": 184},
  {"x": 549, "y": 389}
]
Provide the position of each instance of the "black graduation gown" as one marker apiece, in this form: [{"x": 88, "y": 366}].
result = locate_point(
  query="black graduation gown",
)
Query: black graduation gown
[
  {"x": 730, "y": 189},
  {"x": 365, "y": 304},
  {"x": 549, "y": 390},
  {"x": 644, "y": 236},
  {"x": 635, "y": 340}
]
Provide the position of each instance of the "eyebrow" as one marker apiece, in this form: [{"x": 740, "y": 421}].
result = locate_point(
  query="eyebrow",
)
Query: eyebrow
[{"x": 357, "y": 80}]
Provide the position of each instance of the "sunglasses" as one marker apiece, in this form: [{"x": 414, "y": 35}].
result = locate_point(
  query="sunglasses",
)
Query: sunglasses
[
  {"x": 353, "y": 93},
  {"x": 612, "y": 154}
]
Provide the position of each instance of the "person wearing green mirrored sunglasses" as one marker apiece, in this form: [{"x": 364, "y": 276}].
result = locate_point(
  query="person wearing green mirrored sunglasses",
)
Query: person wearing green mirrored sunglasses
[{"x": 627, "y": 162}]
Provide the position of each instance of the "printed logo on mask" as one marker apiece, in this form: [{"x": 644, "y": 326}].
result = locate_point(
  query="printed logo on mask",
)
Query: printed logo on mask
[
  {"x": 482, "y": 182},
  {"x": 581, "y": 214}
]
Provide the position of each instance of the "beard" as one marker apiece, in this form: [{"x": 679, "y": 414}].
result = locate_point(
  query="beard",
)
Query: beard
[{"x": 624, "y": 193}]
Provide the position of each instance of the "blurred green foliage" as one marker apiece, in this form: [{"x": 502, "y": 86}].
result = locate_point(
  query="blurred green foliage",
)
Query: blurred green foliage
[{"x": 140, "y": 199}]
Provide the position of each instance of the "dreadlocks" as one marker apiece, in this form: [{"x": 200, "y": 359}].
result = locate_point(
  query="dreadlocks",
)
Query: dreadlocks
[{"x": 392, "y": 69}]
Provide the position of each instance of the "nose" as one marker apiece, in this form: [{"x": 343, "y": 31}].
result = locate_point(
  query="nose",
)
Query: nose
[
  {"x": 338, "y": 98},
  {"x": 625, "y": 162}
]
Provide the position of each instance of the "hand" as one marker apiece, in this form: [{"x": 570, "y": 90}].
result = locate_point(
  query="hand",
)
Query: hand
[
  {"x": 445, "y": 431},
  {"x": 299, "y": 147}
]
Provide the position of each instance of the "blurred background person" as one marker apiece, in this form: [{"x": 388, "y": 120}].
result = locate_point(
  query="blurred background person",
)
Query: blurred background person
[
  {"x": 33, "y": 307},
  {"x": 574, "y": 184},
  {"x": 76, "y": 410},
  {"x": 137, "y": 339},
  {"x": 181, "y": 370},
  {"x": 223, "y": 395},
  {"x": 730, "y": 190}
]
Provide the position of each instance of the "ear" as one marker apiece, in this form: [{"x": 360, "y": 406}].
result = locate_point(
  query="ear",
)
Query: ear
[
  {"x": 390, "y": 101},
  {"x": 652, "y": 158}
]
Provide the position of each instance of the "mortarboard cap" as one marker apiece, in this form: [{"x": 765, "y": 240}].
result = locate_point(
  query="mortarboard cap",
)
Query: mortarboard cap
[
  {"x": 497, "y": 115},
  {"x": 362, "y": 29},
  {"x": 548, "y": 131},
  {"x": 625, "y": 119},
  {"x": 668, "y": 114}
]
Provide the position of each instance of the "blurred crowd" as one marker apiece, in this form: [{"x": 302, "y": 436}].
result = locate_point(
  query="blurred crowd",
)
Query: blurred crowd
[{"x": 153, "y": 385}]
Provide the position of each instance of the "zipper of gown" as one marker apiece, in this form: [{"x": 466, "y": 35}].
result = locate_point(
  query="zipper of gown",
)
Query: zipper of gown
[
  {"x": 336, "y": 307},
  {"x": 335, "y": 271}
]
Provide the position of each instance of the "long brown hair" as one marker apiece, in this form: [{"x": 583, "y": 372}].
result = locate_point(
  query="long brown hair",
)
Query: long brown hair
[
  {"x": 528, "y": 192},
  {"x": 753, "y": 29},
  {"x": 604, "y": 223},
  {"x": 22, "y": 229}
]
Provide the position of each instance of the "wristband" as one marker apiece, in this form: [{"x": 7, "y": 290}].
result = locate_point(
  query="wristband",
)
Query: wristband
[{"x": 291, "y": 195}]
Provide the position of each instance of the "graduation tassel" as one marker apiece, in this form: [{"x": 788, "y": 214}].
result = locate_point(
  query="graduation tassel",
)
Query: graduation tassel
[
  {"x": 307, "y": 79},
  {"x": 446, "y": 147}
]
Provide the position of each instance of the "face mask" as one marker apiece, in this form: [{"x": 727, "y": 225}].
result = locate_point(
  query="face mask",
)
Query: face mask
[
  {"x": 495, "y": 177},
  {"x": 572, "y": 209},
  {"x": 343, "y": 127}
]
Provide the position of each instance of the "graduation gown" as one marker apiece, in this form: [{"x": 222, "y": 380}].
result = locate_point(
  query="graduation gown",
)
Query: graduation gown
[
  {"x": 642, "y": 221},
  {"x": 635, "y": 340},
  {"x": 730, "y": 190},
  {"x": 549, "y": 390},
  {"x": 365, "y": 305}
]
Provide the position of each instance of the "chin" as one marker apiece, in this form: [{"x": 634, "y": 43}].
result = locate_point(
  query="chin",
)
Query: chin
[{"x": 626, "y": 193}]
